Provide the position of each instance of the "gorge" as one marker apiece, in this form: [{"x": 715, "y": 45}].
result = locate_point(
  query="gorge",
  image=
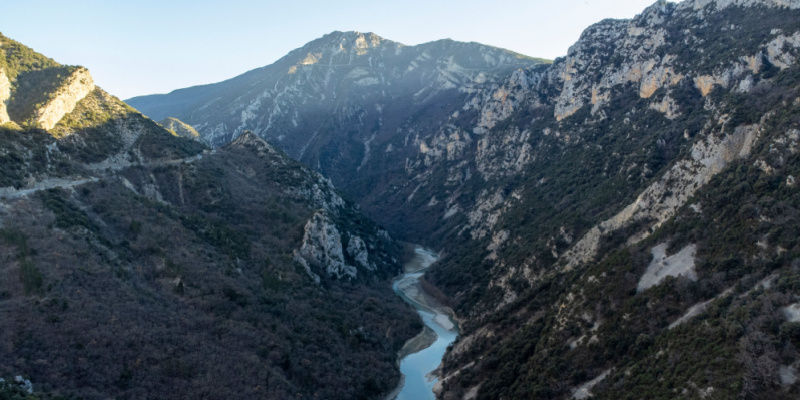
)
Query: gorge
[{"x": 621, "y": 222}]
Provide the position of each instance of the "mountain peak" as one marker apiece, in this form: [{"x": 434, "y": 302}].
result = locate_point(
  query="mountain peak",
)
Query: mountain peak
[
  {"x": 248, "y": 139},
  {"x": 353, "y": 35},
  {"x": 348, "y": 41}
]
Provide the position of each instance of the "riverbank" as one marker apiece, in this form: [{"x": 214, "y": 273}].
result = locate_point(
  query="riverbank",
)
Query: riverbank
[{"x": 421, "y": 356}]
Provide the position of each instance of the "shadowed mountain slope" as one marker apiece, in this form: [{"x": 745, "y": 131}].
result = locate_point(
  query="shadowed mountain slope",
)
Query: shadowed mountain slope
[{"x": 138, "y": 263}]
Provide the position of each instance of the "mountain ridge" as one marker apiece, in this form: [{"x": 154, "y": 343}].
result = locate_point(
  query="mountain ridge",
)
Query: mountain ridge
[
  {"x": 352, "y": 122},
  {"x": 138, "y": 263}
]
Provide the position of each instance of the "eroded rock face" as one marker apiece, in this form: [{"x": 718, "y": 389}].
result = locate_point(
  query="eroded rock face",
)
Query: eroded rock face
[
  {"x": 357, "y": 249},
  {"x": 324, "y": 249},
  {"x": 659, "y": 201},
  {"x": 5, "y": 93},
  {"x": 722, "y": 4},
  {"x": 662, "y": 266},
  {"x": 322, "y": 244},
  {"x": 75, "y": 88}
]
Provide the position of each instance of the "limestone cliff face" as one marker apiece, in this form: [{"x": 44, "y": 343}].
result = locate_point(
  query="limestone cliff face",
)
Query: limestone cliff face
[
  {"x": 662, "y": 199},
  {"x": 639, "y": 51},
  {"x": 644, "y": 59},
  {"x": 74, "y": 89},
  {"x": 322, "y": 244},
  {"x": 596, "y": 156},
  {"x": 5, "y": 93}
]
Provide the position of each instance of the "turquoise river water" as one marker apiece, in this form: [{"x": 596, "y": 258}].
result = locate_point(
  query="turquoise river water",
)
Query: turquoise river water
[{"x": 418, "y": 367}]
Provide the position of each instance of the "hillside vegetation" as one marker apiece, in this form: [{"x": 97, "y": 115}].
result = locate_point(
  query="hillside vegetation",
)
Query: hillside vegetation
[{"x": 143, "y": 264}]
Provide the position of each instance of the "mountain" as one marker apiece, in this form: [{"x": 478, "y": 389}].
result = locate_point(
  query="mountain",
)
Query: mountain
[
  {"x": 139, "y": 263},
  {"x": 621, "y": 223},
  {"x": 352, "y": 105},
  {"x": 629, "y": 227}
]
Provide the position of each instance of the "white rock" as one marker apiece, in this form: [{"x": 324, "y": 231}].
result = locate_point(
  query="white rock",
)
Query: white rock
[
  {"x": 678, "y": 264},
  {"x": 358, "y": 250},
  {"x": 792, "y": 312},
  {"x": 75, "y": 88},
  {"x": 663, "y": 198},
  {"x": 788, "y": 375},
  {"x": 5, "y": 94},
  {"x": 322, "y": 244},
  {"x": 584, "y": 391}
]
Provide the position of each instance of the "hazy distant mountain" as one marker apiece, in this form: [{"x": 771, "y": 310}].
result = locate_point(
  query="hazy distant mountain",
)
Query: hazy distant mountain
[
  {"x": 340, "y": 78},
  {"x": 344, "y": 102}
]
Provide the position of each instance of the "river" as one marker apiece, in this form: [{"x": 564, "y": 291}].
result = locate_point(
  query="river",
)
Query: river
[{"x": 423, "y": 354}]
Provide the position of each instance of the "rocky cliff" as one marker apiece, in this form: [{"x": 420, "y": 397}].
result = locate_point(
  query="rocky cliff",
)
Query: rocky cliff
[
  {"x": 5, "y": 93},
  {"x": 651, "y": 133},
  {"x": 72, "y": 90},
  {"x": 35, "y": 90}
]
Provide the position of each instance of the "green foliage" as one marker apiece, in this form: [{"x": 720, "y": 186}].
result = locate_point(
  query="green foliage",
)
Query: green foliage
[
  {"x": 157, "y": 143},
  {"x": 25, "y": 153},
  {"x": 753, "y": 26},
  {"x": 16, "y": 238},
  {"x": 67, "y": 214},
  {"x": 217, "y": 233},
  {"x": 29, "y": 274},
  {"x": 16, "y": 58},
  {"x": 33, "y": 89}
]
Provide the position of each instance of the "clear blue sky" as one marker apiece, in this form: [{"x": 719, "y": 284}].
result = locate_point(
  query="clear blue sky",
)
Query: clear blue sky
[{"x": 142, "y": 47}]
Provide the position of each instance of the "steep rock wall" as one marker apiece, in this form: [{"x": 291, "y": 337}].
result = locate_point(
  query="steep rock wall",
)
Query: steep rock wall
[
  {"x": 324, "y": 248},
  {"x": 659, "y": 201},
  {"x": 5, "y": 93},
  {"x": 75, "y": 88},
  {"x": 322, "y": 244}
]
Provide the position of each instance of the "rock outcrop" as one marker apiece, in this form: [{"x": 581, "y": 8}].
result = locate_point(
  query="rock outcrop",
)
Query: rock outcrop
[
  {"x": 5, "y": 93},
  {"x": 659, "y": 201},
  {"x": 324, "y": 248},
  {"x": 322, "y": 245},
  {"x": 76, "y": 86}
]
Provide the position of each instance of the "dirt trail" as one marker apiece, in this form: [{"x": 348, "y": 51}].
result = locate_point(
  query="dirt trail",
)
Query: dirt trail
[{"x": 50, "y": 183}]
